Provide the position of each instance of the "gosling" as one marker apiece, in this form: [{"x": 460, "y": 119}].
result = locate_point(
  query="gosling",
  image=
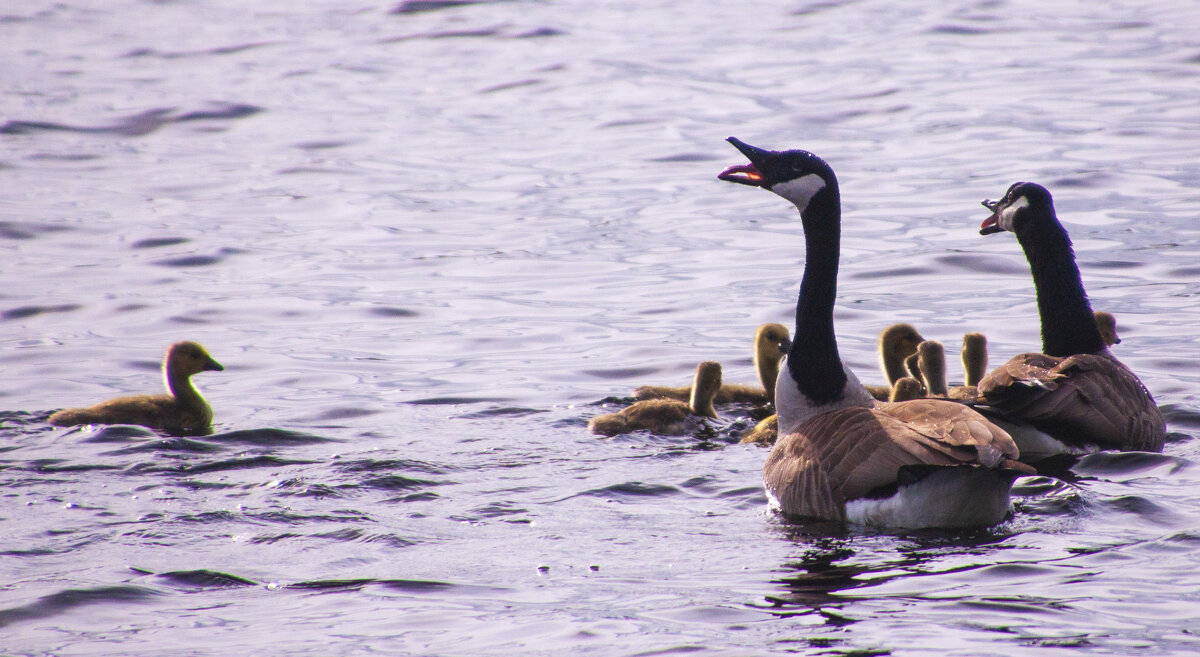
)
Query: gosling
[
  {"x": 771, "y": 343},
  {"x": 666, "y": 416},
  {"x": 183, "y": 409}
]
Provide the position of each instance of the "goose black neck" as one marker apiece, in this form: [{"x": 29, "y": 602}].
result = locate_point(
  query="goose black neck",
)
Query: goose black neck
[
  {"x": 1068, "y": 325},
  {"x": 814, "y": 362}
]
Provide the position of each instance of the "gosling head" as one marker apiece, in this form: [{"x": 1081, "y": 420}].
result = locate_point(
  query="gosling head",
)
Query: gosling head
[
  {"x": 795, "y": 175},
  {"x": 705, "y": 387},
  {"x": 190, "y": 358},
  {"x": 896, "y": 343},
  {"x": 974, "y": 357},
  {"x": 906, "y": 389},
  {"x": 931, "y": 361},
  {"x": 1107, "y": 324},
  {"x": 772, "y": 341},
  {"x": 1022, "y": 204}
]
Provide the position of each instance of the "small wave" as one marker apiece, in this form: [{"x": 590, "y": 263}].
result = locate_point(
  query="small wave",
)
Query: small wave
[
  {"x": 389, "y": 311},
  {"x": 423, "y": 6},
  {"x": 439, "y": 401},
  {"x": 157, "y": 242},
  {"x": 262, "y": 461},
  {"x": 25, "y": 312},
  {"x": 66, "y": 600},
  {"x": 1179, "y": 415},
  {"x": 959, "y": 30},
  {"x": 894, "y": 272},
  {"x": 385, "y": 465},
  {"x": 26, "y": 230},
  {"x": 983, "y": 264},
  {"x": 270, "y": 437},
  {"x": 171, "y": 444},
  {"x": 136, "y": 125},
  {"x": 1128, "y": 465},
  {"x": 633, "y": 489},
  {"x": 198, "y": 260},
  {"x": 397, "y": 482},
  {"x": 1142, "y": 507},
  {"x": 504, "y": 411},
  {"x": 182, "y": 54},
  {"x": 196, "y": 580},
  {"x": 620, "y": 372}
]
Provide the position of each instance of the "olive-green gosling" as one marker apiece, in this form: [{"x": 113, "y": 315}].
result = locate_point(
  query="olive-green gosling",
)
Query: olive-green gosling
[{"x": 184, "y": 408}]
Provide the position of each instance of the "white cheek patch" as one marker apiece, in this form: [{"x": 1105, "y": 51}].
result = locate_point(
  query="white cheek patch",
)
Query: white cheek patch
[
  {"x": 801, "y": 190},
  {"x": 1005, "y": 220}
]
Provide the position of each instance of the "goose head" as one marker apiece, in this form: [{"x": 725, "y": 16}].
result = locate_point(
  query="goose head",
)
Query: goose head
[
  {"x": 188, "y": 358},
  {"x": 796, "y": 175},
  {"x": 1020, "y": 207}
]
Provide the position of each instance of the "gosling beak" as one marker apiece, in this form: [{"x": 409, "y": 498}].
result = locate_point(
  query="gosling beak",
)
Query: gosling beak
[
  {"x": 213, "y": 366},
  {"x": 785, "y": 346}
]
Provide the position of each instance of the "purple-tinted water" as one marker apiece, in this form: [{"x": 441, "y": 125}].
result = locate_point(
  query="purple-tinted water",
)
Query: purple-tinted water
[{"x": 427, "y": 239}]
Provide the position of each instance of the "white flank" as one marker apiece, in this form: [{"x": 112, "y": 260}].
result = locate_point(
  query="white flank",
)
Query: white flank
[
  {"x": 1035, "y": 444},
  {"x": 950, "y": 497}
]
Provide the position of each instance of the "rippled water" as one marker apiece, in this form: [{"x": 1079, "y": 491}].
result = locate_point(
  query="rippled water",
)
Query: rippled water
[{"x": 428, "y": 239}]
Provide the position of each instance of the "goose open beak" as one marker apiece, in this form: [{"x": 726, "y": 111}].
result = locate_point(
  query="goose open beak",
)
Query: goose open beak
[
  {"x": 992, "y": 223},
  {"x": 745, "y": 174}
]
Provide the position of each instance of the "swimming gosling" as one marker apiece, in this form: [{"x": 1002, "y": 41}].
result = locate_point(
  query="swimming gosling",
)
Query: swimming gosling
[
  {"x": 666, "y": 416},
  {"x": 771, "y": 343},
  {"x": 184, "y": 408}
]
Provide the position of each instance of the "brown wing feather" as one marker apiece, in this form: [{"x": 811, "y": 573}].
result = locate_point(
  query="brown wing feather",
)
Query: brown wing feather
[
  {"x": 1083, "y": 398},
  {"x": 844, "y": 454}
]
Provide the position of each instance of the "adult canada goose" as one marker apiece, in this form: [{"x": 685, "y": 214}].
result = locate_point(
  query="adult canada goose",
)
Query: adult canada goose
[
  {"x": 771, "y": 342},
  {"x": 1075, "y": 390},
  {"x": 896, "y": 343},
  {"x": 1108, "y": 327},
  {"x": 921, "y": 463},
  {"x": 183, "y": 409},
  {"x": 666, "y": 416}
]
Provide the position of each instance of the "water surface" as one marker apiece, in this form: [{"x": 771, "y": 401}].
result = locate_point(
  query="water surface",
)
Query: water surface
[{"x": 429, "y": 239}]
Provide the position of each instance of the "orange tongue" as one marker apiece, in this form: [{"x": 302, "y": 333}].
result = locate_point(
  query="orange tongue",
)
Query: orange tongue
[{"x": 747, "y": 174}]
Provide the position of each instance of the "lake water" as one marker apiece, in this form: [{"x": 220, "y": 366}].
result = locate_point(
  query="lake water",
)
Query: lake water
[{"x": 428, "y": 240}]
